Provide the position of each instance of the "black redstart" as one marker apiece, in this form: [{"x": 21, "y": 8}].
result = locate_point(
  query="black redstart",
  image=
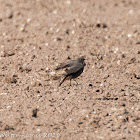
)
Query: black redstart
[{"x": 73, "y": 68}]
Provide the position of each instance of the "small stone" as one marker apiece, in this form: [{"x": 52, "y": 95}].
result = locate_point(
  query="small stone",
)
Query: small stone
[
  {"x": 2, "y": 46},
  {"x": 129, "y": 35},
  {"x": 55, "y": 12},
  {"x": 67, "y": 31},
  {"x": 10, "y": 15},
  {"x": 123, "y": 55},
  {"x": 57, "y": 30},
  {"x": 38, "y": 129},
  {"x": 4, "y": 93},
  {"x": 131, "y": 12},
  {"x": 14, "y": 81},
  {"x": 118, "y": 62},
  {"x": 106, "y": 37},
  {"x": 51, "y": 29},
  {"x": 46, "y": 44},
  {"x": 28, "y": 20},
  {"x": 52, "y": 73},
  {"x": 121, "y": 117},
  {"x": 68, "y": 2},
  {"x": 138, "y": 42},
  {"x": 101, "y": 84},
  {"x": 70, "y": 119},
  {"x": 22, "y": 29},
  {"x": 4, "y": 34},
  {"x": 34, "y": 113},
  {"x": 9, "y": 107},
  {"x": 98, "y": 25},
  {"x": 2, "y": 54},
  {"x": 97, "y": 90},
  {"x": 73, "y": 32},
  {"x": 90, "y": 85},
  {"x": 116, "y": 50},
  {"x": 55, "y": 40},
  {"x": 59, "y": 39},
  {"x": 104, "y": 25}
]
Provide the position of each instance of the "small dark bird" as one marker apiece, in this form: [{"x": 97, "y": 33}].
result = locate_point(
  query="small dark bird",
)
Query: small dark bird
[{"x": 73, "y": 69}]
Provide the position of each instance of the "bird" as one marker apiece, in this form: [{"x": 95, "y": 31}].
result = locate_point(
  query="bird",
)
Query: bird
[{"x": 73, "y": 69}]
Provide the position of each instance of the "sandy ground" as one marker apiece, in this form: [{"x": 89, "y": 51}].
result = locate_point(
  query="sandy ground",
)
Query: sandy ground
[{"x": 36, "y": 35}]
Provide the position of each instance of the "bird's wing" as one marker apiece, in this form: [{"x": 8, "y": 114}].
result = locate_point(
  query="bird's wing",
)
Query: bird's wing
[
  {"x": 65, "y": 65},
  {"x": 74, "y": 68}
]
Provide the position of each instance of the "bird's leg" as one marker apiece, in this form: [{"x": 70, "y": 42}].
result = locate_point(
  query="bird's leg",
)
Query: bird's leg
[{"x": 62, "y": 80}]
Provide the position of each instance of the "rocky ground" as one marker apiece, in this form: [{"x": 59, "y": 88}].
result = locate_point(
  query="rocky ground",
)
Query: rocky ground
[{"x": 36, "y": 35}]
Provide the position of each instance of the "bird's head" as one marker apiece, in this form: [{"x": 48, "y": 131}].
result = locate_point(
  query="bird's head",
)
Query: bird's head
[{"x": 81, "y": 59}]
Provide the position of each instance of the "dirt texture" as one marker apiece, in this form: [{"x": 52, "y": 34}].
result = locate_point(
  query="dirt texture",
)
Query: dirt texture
[{"x": 36, "y": 36}]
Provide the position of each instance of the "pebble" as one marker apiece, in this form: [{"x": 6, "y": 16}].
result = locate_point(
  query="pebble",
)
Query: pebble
[
  {"x": 68, "y": 2},
  {"x": 34, "y": 48},
  {"x": 46, "y": 44},
  {"x": 84, "y": 10},
  {"x": 51, "y": 29},
  {"x": 118, "y": 62},
  {"x": 4, "y": 34},
  {"x": 9, "y": 14},
  {"x": 22, "y": 29},
  {"x": 13, "y": 102},
  {"x": 38, "y": 129},
  {"x": 101, "y": 84},
  {"x": 131, "y": 12},
  {"x": 121, "y": 117},
  {"x": 70, "y": 119},
  {"x": 116, "y": 50},
  {"x": 90, "y": 85},
  {"x": 47, "y": 69},
  {"x": 2, "y": 46},
  {"x": 2, "y": 54},
  {"x": 52, "y": 73},
  {"x": 129, "y": 35},
  {"x": 9, "y": 107},
  {"x": 73, "y": 32},
  {"x": 55, "y": 90},
  {"x": 57, "y": 30},
  {"x": 106, "y": 37},
  {"x": 114, "y": 109},
  {"x": 55, "y": 40},
  {"x": 55, "y": 12},
  {"x": 4, "y": 93},
  {"x": 28, "y": 20},
  {"x": 23, "y": 26}
]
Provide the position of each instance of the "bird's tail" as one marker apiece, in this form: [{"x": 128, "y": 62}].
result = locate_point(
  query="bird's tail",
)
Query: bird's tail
[{"x": 62, "y": 80}]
